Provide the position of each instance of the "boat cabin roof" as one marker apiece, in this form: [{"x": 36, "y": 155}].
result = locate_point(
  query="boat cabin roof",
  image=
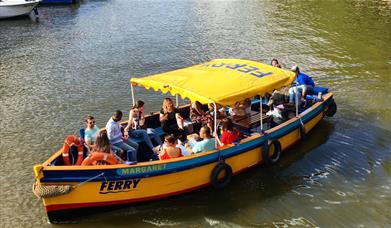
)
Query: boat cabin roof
[{"x": 221, "y": 81}]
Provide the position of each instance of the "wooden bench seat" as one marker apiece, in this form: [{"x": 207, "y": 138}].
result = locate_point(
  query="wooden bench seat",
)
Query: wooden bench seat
[{"x": 253, "y": 120}]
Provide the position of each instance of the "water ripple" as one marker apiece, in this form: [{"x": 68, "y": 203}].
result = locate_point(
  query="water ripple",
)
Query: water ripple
[{"x": 78, "y": 61}]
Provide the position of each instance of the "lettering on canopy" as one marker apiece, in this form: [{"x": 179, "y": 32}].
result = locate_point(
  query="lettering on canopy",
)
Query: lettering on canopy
[
  {"x": 243, "y": 68},
  {"x": 140, "y": 170}
]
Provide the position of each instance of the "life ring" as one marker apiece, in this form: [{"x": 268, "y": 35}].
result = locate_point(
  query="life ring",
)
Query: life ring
[
  {"x": 70, "y": 141},
  {"x": 266, "y": 150},
  {"x": 216, "y": 179},
  {"x": 331, "y": 109},
  {"x": 100, "y": 156}
]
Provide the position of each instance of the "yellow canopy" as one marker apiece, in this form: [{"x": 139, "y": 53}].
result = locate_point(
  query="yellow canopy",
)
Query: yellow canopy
[{"x": 223, "y": 81}]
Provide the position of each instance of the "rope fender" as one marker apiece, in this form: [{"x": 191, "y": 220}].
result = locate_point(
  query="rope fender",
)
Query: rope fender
[{"x": 47, "y": 191}]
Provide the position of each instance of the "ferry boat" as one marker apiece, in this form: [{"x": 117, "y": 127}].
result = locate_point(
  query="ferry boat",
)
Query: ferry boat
[{"x": 65, "y": 189}]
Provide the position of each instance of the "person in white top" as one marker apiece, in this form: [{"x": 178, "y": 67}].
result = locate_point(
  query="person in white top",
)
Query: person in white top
[
  {"x": 116, "y": 138},
  {"x": 136, "y": 127}
]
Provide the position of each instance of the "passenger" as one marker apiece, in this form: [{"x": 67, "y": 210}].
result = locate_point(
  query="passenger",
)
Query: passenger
[
  {"x": 199, "y": 118},
  {"x": 102, "y": 145},
  {"x": 220, "y": 111},
  {"x": 191, "y": 141},
  {"x": 207, "y": 143},
  {"x": 172, "y": 122},
  {"x": 241, "y": 108},
  {"x": 305, "y": 85},
  {"x": 229, "y": 134},
  {"x": 90, "y": 134},
  {"x": 279, "y": 97},
  {"x": 275, "y": 63},
  {"x": 136, "y": 127},
  {"x": 182, "y": 147},
  {"x": 169, "y": 150},
  {"x": 91, "y": 131},
  {"x": 116, "y": 138},
  {"x": 278, "y": 115}
]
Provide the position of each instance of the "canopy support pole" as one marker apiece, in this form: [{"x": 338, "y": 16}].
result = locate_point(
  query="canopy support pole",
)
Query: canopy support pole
[
  {"x": 215, "y": 123},
  {"x": 260, "y": 108},
  {"x": 176, "y": 100},
  {"x": 132, "y": 91},
  {"x": 297, "y": 99}
]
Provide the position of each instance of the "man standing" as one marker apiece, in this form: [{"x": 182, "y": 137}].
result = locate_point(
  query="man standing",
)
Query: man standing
[
  {"x": 305, "y": 85},
  {"x": 116, "y": 138}
]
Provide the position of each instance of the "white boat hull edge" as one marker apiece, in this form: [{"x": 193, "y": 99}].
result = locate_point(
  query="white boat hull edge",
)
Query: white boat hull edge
[{"x": 17, "y": 10}]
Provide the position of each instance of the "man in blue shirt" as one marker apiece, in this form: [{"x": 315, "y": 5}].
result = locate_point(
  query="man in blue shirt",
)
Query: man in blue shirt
[
  {"x": 208, "y": 143},
  {"x": 305, "y": 85},
  {"x": 91, "y": 131}
]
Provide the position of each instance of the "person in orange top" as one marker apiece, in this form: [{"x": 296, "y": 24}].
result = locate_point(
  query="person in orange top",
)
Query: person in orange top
[
  {"x": 169, "y": 150},
  {"x": 101, "y": 153},
  {"x": 229, "y": 134}
]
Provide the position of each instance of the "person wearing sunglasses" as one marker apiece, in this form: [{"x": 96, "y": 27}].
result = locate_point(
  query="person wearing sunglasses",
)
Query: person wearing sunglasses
[
  {"x": 91, "y": 131},
  {"x": 169, "y": 150}
]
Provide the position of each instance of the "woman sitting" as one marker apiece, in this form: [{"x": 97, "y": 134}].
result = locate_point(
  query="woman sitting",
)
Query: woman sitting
[
  {"x": 101, "y": 153},
  {"x": 169, "y": 150},
  {"x": 220, "y": 111},
  {"x": 136, "y": 127},
  {"x": 241, "y": 109},
  {"x": 172, "y": 122},
  {"x": 199, "y": 118},
  {"x": 229, "y": 134}
]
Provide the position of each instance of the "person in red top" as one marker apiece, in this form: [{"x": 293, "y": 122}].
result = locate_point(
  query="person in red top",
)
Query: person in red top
[
  {"x": 229, "y": 134},
  {"x": 169, "y": 150}
]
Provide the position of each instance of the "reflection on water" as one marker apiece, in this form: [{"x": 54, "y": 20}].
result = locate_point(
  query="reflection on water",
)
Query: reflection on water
[{"x": 78, "y": 60}]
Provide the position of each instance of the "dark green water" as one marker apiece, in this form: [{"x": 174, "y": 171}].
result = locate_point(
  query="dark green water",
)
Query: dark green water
[{"x": 78, "y": 60}]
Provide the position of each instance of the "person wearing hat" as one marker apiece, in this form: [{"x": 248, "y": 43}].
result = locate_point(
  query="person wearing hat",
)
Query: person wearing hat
[{"x": 305, "y": 85}]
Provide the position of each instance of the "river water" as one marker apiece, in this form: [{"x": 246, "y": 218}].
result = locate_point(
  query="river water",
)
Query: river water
[{"x": 78, "y": 60}]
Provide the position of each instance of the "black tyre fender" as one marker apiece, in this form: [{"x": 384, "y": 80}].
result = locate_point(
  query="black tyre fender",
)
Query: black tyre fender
[
  {"x": 271, "y": 143},
  {"x": 331, "y": 109},
  {"x": 302, "y": 131},
  {"x": 214, "y": 177}
]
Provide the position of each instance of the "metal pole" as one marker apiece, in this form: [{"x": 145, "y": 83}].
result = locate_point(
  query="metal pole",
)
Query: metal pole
[
  {"x": 131, "y": 89},
  {"x": 297, "y": 98},
  {"x": 176, "y": 100},
  {"x": 215, "y": 122},
  {"x": 260, "y": 108}
]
